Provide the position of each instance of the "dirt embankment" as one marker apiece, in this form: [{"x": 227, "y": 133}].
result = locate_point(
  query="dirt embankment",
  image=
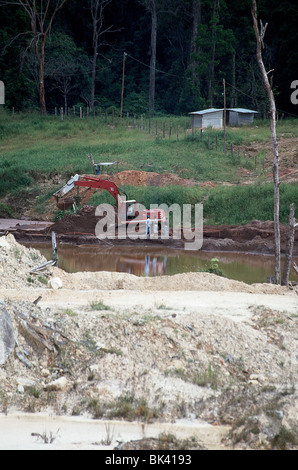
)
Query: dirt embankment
[{"x": 255, "y": 237}]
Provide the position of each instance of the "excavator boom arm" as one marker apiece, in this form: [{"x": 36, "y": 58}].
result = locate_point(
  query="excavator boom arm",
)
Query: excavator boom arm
[{"x": 92, "y": 182}]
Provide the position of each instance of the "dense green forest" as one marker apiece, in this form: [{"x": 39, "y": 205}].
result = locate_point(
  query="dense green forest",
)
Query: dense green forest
[{"x": 167, "y": 56}]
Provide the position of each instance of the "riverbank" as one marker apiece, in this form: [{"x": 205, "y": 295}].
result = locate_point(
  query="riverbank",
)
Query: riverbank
[{"x": 79, "y": 229}]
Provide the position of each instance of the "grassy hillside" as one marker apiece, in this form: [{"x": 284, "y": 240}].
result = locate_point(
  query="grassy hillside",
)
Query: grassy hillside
[{"x": 37, "y": 153}]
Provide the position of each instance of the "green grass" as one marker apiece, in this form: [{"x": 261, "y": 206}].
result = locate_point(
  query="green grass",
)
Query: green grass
[
  {"x": 221, "y": 205},
  {"x": 35, "y": 149}
]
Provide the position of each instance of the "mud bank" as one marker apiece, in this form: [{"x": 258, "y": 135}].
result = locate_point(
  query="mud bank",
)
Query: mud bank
[{"x": 79, "y": 229}]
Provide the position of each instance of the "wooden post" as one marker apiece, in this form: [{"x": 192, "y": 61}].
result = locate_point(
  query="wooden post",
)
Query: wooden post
[
  {"x": 122, "y": 90},
  {"x": 81, "y": 112},
  {"x": 54, "y": 248},
  {"x": 225, "y": 114},
  {"x": 290, "y": 246}
]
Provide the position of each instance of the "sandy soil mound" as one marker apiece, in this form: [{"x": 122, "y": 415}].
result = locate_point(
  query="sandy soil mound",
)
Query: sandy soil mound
[
  {"x": 149, "y": 363},
  {"x": 16, "y": 262},
  {"x": 143, "y": 178}
]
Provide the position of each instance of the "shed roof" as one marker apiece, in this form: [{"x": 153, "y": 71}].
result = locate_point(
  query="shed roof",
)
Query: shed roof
[
  {"x": 206, "y": 111},
  {"x": 214, "y": 110},
  {"x": 242, "y": 110}
]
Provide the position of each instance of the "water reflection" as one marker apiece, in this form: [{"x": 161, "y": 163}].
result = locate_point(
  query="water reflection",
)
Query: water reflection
[{"x": 159, "y": 261}]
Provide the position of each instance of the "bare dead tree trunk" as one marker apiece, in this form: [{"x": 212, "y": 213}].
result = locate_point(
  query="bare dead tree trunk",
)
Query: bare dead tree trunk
[
  {"x": 41, "y": 18},
  {"x": 213, "y": 48},
  {"x": 260, "y": 37},
  {"x": 153, "y": 12},
  {"x": 290, "y": 246},
  {"x": 97, "y": 8},
  {"x": 196, "y": 20}
]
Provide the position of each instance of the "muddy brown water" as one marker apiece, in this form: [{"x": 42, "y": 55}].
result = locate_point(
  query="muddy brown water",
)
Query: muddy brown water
[{"x": 249, "y": 268}]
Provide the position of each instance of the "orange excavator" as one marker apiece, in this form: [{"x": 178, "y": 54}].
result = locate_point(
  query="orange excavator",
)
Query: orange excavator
[{"x": 129, "y": 210}]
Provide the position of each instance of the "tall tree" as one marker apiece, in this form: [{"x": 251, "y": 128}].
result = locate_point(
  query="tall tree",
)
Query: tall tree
[
  {"x": 99, "y": 29},
  {"x": 260, "y": 33},
  {"x": 41, "y": 15},
  {"x": 66, "y": 66},
  {"x": 151, "y": 6}
]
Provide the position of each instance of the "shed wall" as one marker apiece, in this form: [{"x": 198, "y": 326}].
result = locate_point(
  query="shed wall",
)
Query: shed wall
[{"x": 214, "y": 119}]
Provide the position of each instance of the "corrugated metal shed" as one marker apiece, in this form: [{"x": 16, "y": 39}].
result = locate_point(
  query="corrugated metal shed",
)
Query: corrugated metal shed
[
  {"x": 214, "y": 117},
  {"x": 240, "y": 116},
  {"x": 211, "y": 117}
]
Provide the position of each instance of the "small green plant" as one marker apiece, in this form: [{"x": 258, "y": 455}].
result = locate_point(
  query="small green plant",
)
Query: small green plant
[
  {"x": 42, "y": 280},
  {"x": 34, "y": 392},
  {"x": 284, "y": 439},
  {"x": 99, "y": 305},
  {"x": 206, "y": 377},
  {"x": 213, "y": 268},
  {"x": 69, "y": 312}
]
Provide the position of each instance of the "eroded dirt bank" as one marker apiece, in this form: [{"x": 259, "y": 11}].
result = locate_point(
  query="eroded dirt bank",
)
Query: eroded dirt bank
[
  {"x": 79, "y": 229},
  {"x": 215, "y": 356}
]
